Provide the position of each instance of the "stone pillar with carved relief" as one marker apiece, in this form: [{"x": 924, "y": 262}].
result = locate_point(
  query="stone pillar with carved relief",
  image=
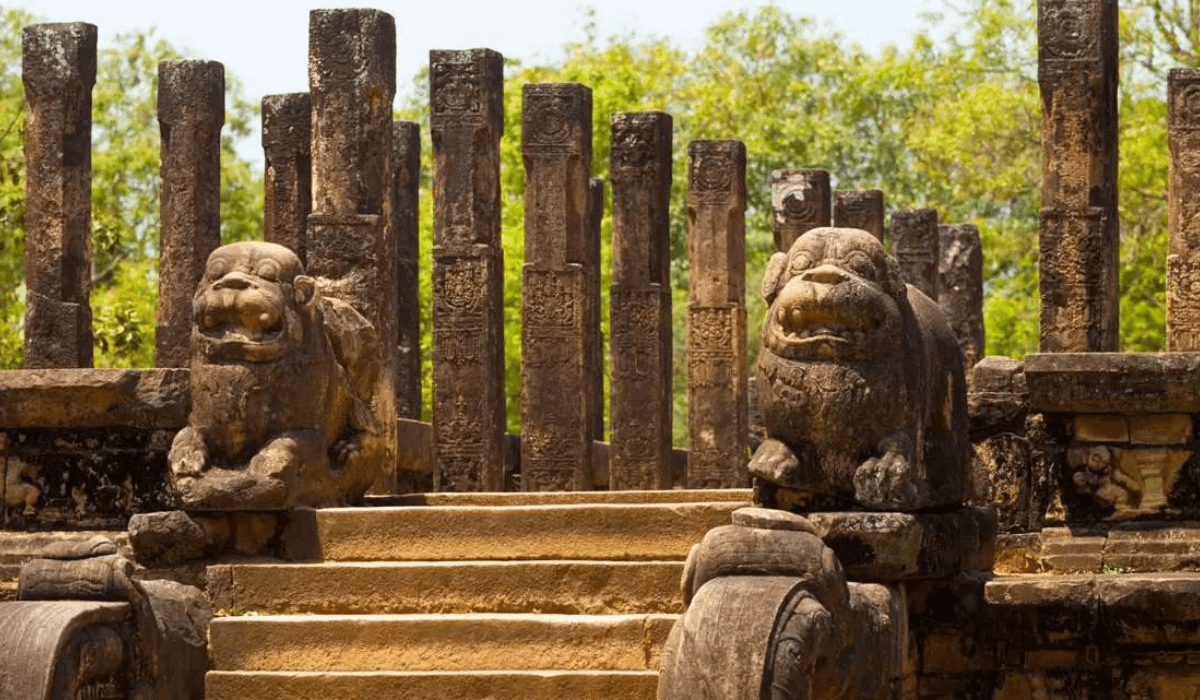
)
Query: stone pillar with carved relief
[
  {"x": 1080, "y": 231},
  {"x": 801, "y": 201},
  {"x": 558, "y": 394},
  {"x": 859, "y": 209},
  {"x": 1183, "y": 198},
  {"x": 914, "y": 234},
  {"x": 466, "y": 122},
  {"x": 716, "y": 341},
  {"x": 58, "y": 70},
  {"x": 404, "y": 212},
  {"x": 640, "y": 406},
  {"x": 350, "y": 244}
]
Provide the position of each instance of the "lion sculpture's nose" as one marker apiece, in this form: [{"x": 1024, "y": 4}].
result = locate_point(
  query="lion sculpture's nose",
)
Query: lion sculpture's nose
[{"x": 824, "y": 274}]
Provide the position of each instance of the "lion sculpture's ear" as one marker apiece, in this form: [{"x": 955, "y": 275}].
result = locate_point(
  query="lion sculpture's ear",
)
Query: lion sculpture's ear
[
  {"x": 306, "y": 290},
  {"x": 773, "y": 277}
]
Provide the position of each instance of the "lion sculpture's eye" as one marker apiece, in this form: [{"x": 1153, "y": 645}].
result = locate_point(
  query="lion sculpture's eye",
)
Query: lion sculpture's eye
[
  {"x": 217, "y": 268},
  {"x": 268, "y": 269},
  {"x": 861, "y": 264},
  {"x": 799, "y": 263}
]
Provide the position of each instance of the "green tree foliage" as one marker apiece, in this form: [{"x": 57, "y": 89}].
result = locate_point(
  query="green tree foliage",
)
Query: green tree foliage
[{"x": 125, "y": 182}]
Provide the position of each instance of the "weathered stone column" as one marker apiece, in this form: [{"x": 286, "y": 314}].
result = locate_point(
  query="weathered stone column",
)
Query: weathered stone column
[
  {"x": 716, "y": 343},
  {"x": 351, "y": 245},
  {"x": 191, "y": 112},
  {"x": 960, "y": 289},
  {"x": 800, "y": 199},
  {"x": 287, "y": 182},
  {"x": 595, "y": 222},
  {"x": 467, "y": 121},
  {"x": 914, "y": 236},
  {"x": 859, "y": 209},
  {"x": 558, "y": 392},
  {"x": 640, "y": 312},
  {"x": 405, "y": 216},
  {"x": 1183, "y": 198},
  {"x": 58, "y": 69},
  {"x": 1078, "y": 74}
]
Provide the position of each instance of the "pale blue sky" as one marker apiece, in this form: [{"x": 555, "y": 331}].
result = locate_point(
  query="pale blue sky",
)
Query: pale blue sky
[{"x": 265, "y": 44}]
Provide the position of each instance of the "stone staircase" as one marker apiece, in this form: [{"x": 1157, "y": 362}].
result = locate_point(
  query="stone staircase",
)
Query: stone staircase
[{"x": 460, "y": 596}]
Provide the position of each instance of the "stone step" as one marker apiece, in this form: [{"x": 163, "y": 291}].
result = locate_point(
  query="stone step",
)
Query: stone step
[
  {"x": 627, "y": 531},
  {"x": 544, "y": 498},
  {"x": 569, "y": 587},
  {"x": 493, "y": 685},
  {"x": 473, "y": 642}
]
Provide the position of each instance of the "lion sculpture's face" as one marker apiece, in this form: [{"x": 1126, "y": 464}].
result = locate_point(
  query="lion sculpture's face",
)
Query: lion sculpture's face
[
  {"x": 835, "y": 296},
  {"x": 251, "y": 302}
]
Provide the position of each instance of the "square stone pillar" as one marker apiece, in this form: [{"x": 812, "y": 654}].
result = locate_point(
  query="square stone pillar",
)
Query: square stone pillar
[
  {"x": 557, "y": 353},
  {"x": 467, "y": 121},
  {"x": 287, "y": 180},
  {"x": 1183, "y": 200},
  {"x": 58, "y": 69},
  {"x": 800, "y": 200},
  {"x": 191, "y": 112},
  {"x": 640, "y": 404},
  {"x": 960, "y": 290},
  {"x": 404, "y": 213},
  {"x": 351, "y": 244},
  {"x": 914, "y": 236},
  {"x": 859, "y": 209},
  {"x": 716, "y": 342},
  {"x": 1080, "y": 229}
]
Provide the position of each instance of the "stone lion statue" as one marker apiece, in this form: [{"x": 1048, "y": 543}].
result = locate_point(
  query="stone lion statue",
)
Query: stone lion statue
[
  {"x": 280, "y": 380},
  {"x": 860, "y": 382}
]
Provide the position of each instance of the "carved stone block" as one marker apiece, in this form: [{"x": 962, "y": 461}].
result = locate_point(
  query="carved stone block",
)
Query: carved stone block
[
  {"x": 960, "y": 290},
  {"x": 915, "y": 243}
]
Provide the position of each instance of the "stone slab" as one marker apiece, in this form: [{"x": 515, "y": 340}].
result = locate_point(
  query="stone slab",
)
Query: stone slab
[
  {"x": 94, "y": 398},
  {"x": 890, "y": 547},
  {"x": 564, "y": 587},
  {"x": 586, "y": 531},
  {"x": 470, "y": 642},
  {"x": 494, "y": 685},
  {"x": 1103, "y": 382},
  {"x": 1123, "y": 610}
]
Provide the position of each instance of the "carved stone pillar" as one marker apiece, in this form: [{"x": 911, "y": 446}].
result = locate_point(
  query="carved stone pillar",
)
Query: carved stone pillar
[
  {"x": 58, "y": 69},
  {"x": 1183, "y": 198},
  {"x": 859, "y": 209},
  {"x": 716, "y": 343},
  {"x": 640, "y": 405},
  {"x": 466, "y": 121},
  {"x": 558, "y": 393},
  {"x": 800, "y": 199},
  {"x": 914, "y": 236},
  {"x": 1078, "y": 75}
]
